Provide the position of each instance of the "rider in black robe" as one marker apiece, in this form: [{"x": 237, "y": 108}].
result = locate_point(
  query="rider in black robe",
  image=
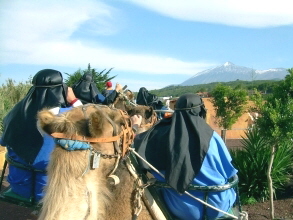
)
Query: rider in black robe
[
  {"x": 178, "y": 144},
  {"x": 20, "y": 130},
  {"x": 86, "y": 90},
  {"x": 148, "y": 99}
]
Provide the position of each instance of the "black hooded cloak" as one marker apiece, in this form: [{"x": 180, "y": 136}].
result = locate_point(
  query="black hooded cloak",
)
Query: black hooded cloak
[
  {"x": 178, "y": 145},
  {"x": 85, "y": 89},
  {"x": 148, "y": 99},
  {"x": 20, "y": 124}
]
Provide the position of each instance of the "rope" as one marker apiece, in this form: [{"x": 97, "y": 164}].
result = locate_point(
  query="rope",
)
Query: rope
[
  {"x": 88, "y": 164},
  {"x": 164, "y": 111},
  {"x": 116, "y": 165},
  {"x": 139, "y": 189},
  {"x": 243, "y": 215},
  {"x": 187, "y": 193}
]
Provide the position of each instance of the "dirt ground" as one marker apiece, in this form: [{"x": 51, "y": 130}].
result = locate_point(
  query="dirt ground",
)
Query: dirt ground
[
  {"x": 14, "y": 212},
  {"x": 283, "y": 206}
]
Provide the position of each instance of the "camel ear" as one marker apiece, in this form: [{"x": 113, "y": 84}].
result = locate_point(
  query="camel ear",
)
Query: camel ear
[
  {"x": 44, "y": 119},
  {"x": 129, "y": 109},
  {"x": 149, "y": 112},
  {"x": 130, "y": 94},
  {"x": 96, "y": 123}
]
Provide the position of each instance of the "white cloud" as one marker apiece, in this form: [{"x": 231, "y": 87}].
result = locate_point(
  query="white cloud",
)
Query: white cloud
[
  {"x": 242, "y": 13},
  {"x": 76, "y": 54},
  {"x": 40, "y": 33},
  {"x": 40, "y": 20},
  {"x": 135, "y": 85}
]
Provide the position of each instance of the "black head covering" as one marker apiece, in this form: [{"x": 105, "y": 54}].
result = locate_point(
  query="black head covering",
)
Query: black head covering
[
  {"x": 142, "y": 95},
  {"x": 85, "y": 89},
  {"x": 148, "y": 99},
  {"x": 178, "y": 145},
  {"x": 20, "y": 127}
]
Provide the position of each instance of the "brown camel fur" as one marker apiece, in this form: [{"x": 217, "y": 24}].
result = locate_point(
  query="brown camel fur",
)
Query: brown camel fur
[
  {"x": 149, "y": 116},
  {"x": 73, "y": 191},
  {"x": 122, "y": 99}
]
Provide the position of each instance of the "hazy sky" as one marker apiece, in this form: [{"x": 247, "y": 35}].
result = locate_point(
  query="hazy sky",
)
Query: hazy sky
[{"x": 149, "y": 43}]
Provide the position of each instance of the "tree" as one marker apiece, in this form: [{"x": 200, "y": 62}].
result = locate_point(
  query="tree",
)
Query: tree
[
  {"x": 100, "y": 78},
  {"x": 229, "y": 105},
  {"x": 276, "y": 122}
]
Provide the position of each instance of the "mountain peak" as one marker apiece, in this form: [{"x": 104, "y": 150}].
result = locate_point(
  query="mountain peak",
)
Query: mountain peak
[
  {"x": 228, "y": 63},
  {"x": 231, "y": 72}
]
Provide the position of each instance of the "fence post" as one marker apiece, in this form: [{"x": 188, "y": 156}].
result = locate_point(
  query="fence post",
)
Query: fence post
[{"x": 223, "y": 134}]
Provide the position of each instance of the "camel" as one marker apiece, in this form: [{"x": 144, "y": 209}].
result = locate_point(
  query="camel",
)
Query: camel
[
  {"x": 149, "y": 116},
  {"x": 79, "y": 187},
  {"x": 125, "y": 102},
  {"x": 124, "y": 98}
]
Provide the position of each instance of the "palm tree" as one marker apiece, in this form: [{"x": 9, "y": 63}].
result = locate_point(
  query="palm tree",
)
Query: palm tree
[{"x": 100, "y": 78}]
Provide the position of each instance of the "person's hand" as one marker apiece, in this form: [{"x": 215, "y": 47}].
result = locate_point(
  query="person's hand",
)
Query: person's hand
[
  {"x": 118, "y": 87},
  {"x": 136, "y": 120},
  {"x": 70, "y": 95}
]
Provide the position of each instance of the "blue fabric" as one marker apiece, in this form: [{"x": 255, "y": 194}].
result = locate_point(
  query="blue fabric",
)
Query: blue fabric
[
  {"x": 71, "y": 145},
  {"x": 20, "y": 180},
  {"x": 216, "y": 170},
  {"x": 2, "y": 142},
  {"x": 160, "y": 115},
  {"x": 100, "y": 98},
  {"x": 107, "y": 92}
]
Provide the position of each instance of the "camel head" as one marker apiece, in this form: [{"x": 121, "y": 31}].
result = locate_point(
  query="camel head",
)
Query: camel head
[
  {"x": 88, "y": 123},
  {"x": 149, "y": 116}
]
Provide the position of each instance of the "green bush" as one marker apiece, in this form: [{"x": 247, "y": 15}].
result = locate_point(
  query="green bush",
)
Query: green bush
[{"x": 252, "y": 164}]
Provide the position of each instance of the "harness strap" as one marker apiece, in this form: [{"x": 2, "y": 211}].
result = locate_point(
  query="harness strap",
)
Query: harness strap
[
  {"x": 128, "y": 134},
  {"x": 86, "y": 139},
  {"x": 114, "y": 134},
  {"x": 233, "y": 181}
]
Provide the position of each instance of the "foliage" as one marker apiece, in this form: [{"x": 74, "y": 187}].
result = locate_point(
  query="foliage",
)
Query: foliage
[
  {"x": 252, "y": 164},
  {"x": 276, "y": 119},
  {"x": 229, "y": 104},
  {"x": 264, "y": 86},
  {"x": 276, "y": 124},
  {"x": 100, "y": 78},
  {"x": 10, "y": 94}
]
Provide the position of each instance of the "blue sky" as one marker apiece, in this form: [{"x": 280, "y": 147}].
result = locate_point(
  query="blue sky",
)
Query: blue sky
[{"x": 149, "y": 43}]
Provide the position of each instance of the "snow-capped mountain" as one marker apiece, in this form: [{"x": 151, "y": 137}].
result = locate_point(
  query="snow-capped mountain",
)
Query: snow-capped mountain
[{"x": 231, "y": 72}]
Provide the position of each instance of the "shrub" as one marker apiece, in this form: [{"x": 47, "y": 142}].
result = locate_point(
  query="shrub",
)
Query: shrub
[{"x": 252, "y": 164}]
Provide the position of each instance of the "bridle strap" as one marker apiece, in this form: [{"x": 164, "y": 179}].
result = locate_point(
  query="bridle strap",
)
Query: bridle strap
[
  {"x": 128, "y": 134},
  {"x": 86, "y": 139}
]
